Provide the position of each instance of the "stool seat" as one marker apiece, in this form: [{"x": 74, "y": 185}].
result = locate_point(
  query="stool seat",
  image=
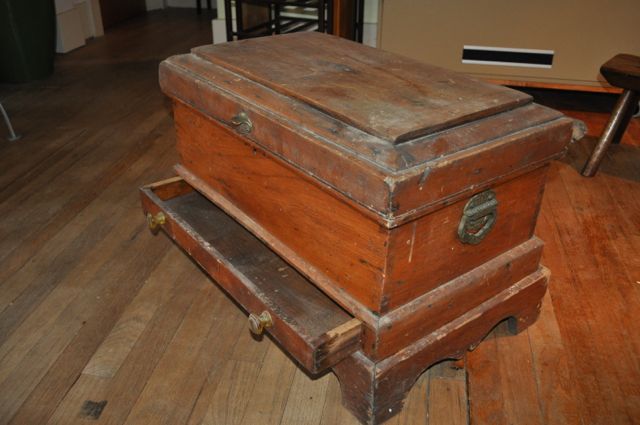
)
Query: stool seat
[{"x": 622, "y": 71}]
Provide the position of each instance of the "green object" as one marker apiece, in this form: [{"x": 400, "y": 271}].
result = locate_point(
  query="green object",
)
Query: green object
[{"x": 27, "y": 39}]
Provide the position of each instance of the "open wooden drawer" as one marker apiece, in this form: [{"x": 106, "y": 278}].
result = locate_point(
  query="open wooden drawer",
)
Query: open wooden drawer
[{"x": 307, "y": 324}]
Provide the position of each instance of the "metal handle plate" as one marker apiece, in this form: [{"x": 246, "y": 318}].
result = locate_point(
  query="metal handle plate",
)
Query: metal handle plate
[
  {"x": 257, "y": 324},
  {"x": 478, "y": 217},
  {"x": 242, "y": 123}
]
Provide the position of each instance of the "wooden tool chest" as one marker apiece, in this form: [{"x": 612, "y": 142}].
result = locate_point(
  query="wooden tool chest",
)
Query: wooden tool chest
[{"x": 373, "y": 214}]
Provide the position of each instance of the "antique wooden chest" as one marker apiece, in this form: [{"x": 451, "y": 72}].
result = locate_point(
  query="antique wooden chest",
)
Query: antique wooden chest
[{"x": 374, "y": 214}]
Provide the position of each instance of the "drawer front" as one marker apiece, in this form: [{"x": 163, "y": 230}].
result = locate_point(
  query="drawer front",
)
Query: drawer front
[{"x": 281, "y": 302}]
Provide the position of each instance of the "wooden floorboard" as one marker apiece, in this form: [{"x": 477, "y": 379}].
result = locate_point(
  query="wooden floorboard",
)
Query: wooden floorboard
[{"x": 102, "y": 322}]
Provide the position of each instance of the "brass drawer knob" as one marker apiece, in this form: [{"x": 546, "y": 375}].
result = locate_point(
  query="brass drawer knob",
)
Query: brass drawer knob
[
  {"x": 242, "y": 123},
  {"x": 257, "y": 324},
  {"x": 155, "y": 221}
]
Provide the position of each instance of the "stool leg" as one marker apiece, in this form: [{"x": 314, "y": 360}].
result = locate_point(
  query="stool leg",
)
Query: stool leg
[
  {"x": 624, "y": 123},
  {"x": 623, "y": 107}
]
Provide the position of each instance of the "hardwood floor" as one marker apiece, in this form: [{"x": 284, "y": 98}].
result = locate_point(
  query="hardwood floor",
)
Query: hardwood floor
[{"x": 103, "y": 323}]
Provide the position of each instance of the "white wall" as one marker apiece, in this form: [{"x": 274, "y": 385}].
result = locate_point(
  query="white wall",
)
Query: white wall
[
  {"x": 155, "y": 4},
  {"x": 76, "y": 21}
]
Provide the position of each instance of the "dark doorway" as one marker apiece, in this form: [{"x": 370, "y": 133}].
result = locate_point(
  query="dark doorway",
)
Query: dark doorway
[{"x": 116, "y": 11}]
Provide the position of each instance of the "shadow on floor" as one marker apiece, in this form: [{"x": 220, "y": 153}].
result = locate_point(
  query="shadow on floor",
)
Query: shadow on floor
[{"x": 621, "y": 161}]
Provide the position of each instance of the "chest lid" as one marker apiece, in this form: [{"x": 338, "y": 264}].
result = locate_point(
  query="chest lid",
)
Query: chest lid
[{"x": 386, "y": 95}]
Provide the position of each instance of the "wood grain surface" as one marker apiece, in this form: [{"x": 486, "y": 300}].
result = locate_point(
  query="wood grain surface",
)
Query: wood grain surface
[
  {"x": 94, "y": 308},
  {"x": 286, "y": 209},
  {"x": 411, "y": 98}
]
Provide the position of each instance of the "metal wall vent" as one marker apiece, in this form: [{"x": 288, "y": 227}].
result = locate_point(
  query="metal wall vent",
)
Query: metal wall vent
[{"x": 504, "y": 56}]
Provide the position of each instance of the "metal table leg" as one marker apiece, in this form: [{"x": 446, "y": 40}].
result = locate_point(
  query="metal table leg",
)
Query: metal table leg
[{"x": 12, "y": 134}]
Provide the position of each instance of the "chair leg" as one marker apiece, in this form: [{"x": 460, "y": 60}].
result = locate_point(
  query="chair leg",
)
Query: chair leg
[{"x": 614, "y": 129}]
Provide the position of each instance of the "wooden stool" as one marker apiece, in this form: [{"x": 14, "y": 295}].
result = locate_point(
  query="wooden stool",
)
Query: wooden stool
[{"x": 620, "y": 71}]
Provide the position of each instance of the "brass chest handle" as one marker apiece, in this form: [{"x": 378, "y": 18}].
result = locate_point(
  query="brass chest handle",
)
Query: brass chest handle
[
  {"x": 257, "y": 324},
  {"x": 478, "y": 217},
  {"x": 242, "y": 123}
]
